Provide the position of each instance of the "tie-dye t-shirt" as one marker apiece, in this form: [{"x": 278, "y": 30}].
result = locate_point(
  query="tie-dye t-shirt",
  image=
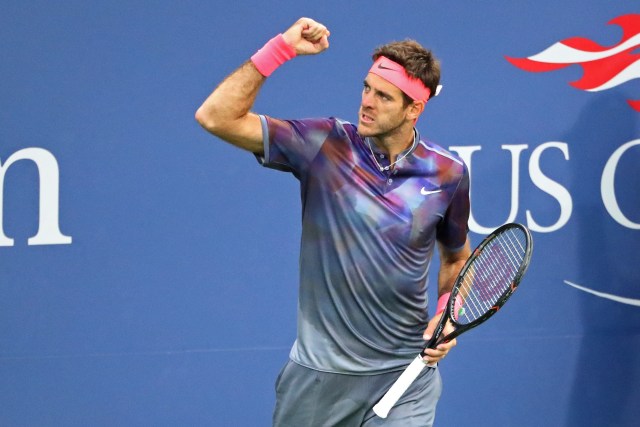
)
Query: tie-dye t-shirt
[{"x": 367, "y": 240}]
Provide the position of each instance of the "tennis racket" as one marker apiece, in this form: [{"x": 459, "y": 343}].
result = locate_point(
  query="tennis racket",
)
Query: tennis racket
[{"x": 485, "y": 282}]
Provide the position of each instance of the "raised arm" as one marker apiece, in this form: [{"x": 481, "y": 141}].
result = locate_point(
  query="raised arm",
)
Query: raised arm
[{"x": 227, "y": 114}]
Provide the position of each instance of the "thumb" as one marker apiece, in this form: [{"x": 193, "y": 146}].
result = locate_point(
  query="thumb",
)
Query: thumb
[{"x": 428, "y": 333}]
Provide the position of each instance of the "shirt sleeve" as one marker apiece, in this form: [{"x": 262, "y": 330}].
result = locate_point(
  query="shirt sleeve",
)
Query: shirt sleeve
[
  {"x": 452, "y": 230},
  {"x": 291, "y": 145}
]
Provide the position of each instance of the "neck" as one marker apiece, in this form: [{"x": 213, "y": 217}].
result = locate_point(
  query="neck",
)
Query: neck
[{"x": 394, "y": 144}]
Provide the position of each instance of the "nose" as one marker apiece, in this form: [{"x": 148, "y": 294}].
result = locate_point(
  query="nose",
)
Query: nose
[{"x": 367, "y": 99}]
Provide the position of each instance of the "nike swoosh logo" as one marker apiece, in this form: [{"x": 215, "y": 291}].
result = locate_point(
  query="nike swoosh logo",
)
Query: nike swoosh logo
[
  {"x": 426, "y": 192},
  {"x": 382, "y": 67},
  {"x": 616, "y": 298}
]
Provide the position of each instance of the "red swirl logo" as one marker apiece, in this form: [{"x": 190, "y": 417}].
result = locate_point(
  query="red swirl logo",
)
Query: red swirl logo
[{"x": 604, "y": 67}]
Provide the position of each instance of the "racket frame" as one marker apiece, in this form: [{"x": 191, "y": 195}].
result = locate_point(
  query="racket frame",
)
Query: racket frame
[
  {"x": 449, "y": 313},
  {"x": 396, "y": 391}
]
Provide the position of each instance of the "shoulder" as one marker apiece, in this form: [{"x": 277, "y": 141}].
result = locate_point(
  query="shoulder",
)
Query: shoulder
[
  {"x": 436, "y": 156},
  {"x": 313, "y": 125}
]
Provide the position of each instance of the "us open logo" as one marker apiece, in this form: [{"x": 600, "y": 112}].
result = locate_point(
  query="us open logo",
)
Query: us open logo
[{"x": 604, "y": 67}]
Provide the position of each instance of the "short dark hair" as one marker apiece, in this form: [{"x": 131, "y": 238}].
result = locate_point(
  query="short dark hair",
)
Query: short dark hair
[{"x": 419, "y": 62}]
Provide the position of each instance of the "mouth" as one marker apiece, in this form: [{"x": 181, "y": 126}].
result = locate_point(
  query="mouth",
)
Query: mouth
[{"x": 366, "y": 119}]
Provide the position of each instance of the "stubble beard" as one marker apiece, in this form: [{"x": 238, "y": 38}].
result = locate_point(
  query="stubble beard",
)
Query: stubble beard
[{"x": 377, "y": 131}]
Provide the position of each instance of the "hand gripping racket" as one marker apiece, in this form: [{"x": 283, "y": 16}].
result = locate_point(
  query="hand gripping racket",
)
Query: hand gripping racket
[{"x": 485, "y": 282}]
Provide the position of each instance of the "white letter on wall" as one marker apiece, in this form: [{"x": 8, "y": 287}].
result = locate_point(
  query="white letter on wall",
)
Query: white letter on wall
[
  {"x": 607, "y": 186},
  {"x": 550, "y": 187},
  {"x": 48, "y": 226},
  {"x": 465, "y": 154}
]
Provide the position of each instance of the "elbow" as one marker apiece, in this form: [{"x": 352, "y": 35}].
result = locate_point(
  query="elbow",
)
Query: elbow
[
  {"x": 214, "y": 122},
  {"x": 199, "y": 116},
  {"x": 206, "y": 119}
]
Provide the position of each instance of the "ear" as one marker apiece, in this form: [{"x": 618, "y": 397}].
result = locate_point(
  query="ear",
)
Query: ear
[{"x": 415, "y": 109}]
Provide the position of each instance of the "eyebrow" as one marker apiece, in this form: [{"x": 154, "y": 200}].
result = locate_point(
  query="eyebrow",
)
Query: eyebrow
[{"x": 377, "y": 91}]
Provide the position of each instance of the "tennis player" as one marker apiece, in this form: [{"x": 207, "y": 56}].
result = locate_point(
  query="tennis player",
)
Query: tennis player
[{"x": 377, "y": 199}]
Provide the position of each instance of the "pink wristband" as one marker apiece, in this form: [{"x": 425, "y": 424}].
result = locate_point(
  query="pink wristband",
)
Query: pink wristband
[
  {"x": 272, "y": 55},
  {"x": 442, "y": 304}
]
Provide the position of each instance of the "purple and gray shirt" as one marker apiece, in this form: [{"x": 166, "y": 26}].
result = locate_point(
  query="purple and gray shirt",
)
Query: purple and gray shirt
[{"x": 368, "y": 237}]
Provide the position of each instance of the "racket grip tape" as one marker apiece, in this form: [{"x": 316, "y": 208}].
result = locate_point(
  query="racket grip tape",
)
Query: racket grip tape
[{"x": 398, "y": 388}]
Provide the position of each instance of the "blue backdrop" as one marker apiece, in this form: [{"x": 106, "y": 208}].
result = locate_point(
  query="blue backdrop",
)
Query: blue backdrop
[{"x": 148, "y": 270}]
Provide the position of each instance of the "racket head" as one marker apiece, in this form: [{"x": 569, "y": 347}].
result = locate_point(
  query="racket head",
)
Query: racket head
[{"x": 490, "y": 276}]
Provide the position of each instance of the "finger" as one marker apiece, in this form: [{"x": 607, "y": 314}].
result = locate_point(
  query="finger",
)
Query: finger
[
  {"x": 314, "y": 32},
  {"x": 433, "y": 355},
  {"x": 431, "y": 326},
  {"x": 430, "y": 354},
  {"x": 428, "y": 333},
  {"x": 447, "y": 345},
  {"x": 303, "y": 26},
  {"x": 324, "y": 42},
  {"x": 313, "y": 36},
  {"x": 311, "y": 27},
  {"x": 441, "y": 349},
  {"x": 448, "y": 328}
]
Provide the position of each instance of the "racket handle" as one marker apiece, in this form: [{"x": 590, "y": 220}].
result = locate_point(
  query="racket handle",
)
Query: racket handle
[{"x": 398, "y": 388}]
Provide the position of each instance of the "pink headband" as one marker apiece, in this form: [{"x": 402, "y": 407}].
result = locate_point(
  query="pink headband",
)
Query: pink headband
[{"x": 395, "y": 74}]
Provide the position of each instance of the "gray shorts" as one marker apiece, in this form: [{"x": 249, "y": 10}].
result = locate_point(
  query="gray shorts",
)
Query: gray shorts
[{"x": 310, "y": 398}]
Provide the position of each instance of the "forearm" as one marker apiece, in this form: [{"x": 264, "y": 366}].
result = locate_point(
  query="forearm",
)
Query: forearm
[
  {"x": 226, "y": 113},
  {"x": 450, "y": 265}
]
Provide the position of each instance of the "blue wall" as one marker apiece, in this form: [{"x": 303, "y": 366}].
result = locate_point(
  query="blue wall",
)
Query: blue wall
[{"x": 164, "y": 291}]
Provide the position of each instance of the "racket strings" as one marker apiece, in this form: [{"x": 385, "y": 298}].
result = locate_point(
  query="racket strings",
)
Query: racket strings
[{"x": 491, "y": 274}]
